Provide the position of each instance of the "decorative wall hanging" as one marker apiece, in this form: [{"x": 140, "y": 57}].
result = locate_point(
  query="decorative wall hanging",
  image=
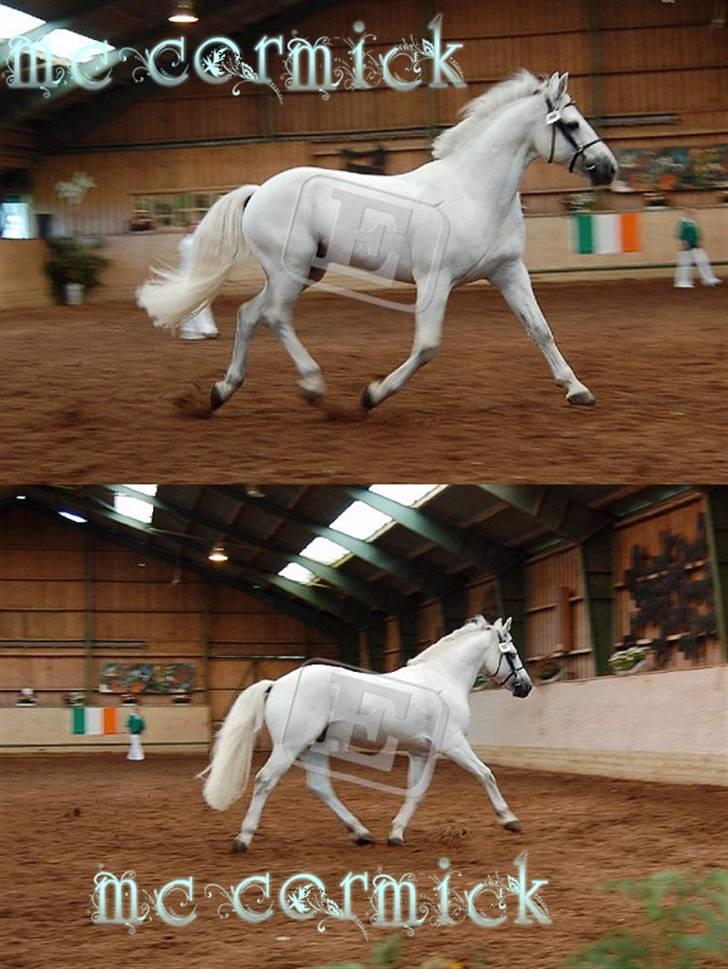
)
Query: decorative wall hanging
[{"x": 147, "y": 677}]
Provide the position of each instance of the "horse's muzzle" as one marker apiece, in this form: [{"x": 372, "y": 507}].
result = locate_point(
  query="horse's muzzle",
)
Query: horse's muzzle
[
  {"x": 521, "y": 689},
  {"x": 600, "y": 172}
]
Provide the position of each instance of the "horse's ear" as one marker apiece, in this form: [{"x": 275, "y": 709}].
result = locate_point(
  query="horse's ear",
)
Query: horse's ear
[
  {"x": 561, "y": 88},
  {"x": 507, "y": 626},
  {"x": 498, "y": 624}
]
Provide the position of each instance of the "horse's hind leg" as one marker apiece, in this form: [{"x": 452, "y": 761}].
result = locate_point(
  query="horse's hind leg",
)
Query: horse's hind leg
[
  {"x": 419, "y": 775},
  {"x": 428, "y": 332},
  {"x": 249, "y": 316},
  {"x": 265, "y": 780},
  {"x": 278, "y": 314},
  {"x": 318, "y": 782},
  {"x": 460, "y": 752},
  {"x": 515, "y": 284}
]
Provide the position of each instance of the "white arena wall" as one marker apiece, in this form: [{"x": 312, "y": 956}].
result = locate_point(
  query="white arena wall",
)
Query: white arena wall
[
  {"x": 662, "y": 726},
  {"x": 550, "y": 256},
  {"x": 48, "y": 730}
]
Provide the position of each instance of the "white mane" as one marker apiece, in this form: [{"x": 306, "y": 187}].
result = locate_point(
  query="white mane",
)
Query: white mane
[
  {"x": 520, "y": 85},
  {"x": 477, "y": 622}
]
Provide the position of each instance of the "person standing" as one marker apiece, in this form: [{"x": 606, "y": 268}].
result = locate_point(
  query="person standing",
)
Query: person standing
[
  {"x": 688, "y": 234},
  {"x": 135, "y": 725},
  {"x": 200, "y": 326}
]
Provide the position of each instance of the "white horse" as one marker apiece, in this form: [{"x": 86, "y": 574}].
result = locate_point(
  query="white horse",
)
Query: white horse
[
  {"x": 452, "y": 221},
  {"x": 320, "y": 709}
]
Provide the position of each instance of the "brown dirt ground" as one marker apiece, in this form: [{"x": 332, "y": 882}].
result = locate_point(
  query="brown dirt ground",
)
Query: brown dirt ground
[
  {"x": 88, "y": 394},
  {"x": 579, "y": 833}
]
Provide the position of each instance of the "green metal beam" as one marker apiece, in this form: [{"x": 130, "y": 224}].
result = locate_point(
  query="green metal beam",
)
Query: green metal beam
[
  {"x": 490, "y": 556},
  {"x": 90, "y": 505},
  {"x": 597, "y": 567},
  {"x": 44, "y": 498},
  {"x": 429, "y": 581},
  {"x": 390, "y": 602},
  {"x": 454, "y": 608},
  {"x": 408, "y": 629},
  {"x": 511, "y": 595},
  {"x": 559, "y": 513},
  {"x": 716, "y": 523},
  {"x": 376, "y": 634}
]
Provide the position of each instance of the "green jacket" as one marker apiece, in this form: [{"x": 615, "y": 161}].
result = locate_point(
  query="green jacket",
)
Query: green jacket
[
  {"x": 135, "y": 724},
  {"x": 689, "y": 234}
]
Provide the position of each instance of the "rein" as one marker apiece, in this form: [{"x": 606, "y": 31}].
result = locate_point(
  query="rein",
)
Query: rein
[{"x": 554, "y": 119}]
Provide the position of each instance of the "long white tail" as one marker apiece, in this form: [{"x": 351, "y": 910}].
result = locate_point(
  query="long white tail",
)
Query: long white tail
[
  {"x": 171, "y": 295},
  {"x": 233, "y": 752}
]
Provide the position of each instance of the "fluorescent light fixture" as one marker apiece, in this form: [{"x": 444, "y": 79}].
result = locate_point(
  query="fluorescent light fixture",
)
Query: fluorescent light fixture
[
  {"x": 136, "y": 508},
  {"x": 406, "y": 494},
  {"x": 218, "y": 554},
  {"x": 184, "y": 13},
  {"x": 297, "y": 573},
  {"x": 76, "y": 519},
  {"x": 14, "y": 22},
  {"x": 20, "y": 497},
  {"x": 324, "y": 551}
]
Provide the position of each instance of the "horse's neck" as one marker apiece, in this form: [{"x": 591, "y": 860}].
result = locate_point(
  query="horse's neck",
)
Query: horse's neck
[
  {"x": 462, "y": 661},
  {"x": 497, "y": 159}
]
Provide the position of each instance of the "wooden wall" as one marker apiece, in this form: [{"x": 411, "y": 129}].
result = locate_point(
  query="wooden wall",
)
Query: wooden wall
[
  {"x": 645, "y": 58},
  {"x": 60, "y": 585},
  {"x": 679, "y": 518}
]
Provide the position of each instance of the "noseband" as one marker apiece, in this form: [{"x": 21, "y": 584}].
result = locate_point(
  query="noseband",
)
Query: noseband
[
  {"x": 514, "y": 669},
  {"x": 554, "y": 119}
]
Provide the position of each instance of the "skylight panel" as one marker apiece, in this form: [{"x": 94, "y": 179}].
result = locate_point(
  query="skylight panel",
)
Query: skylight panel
[
  {"x": 325, "y": 551},
  {"x": 297, "y": 573},
  {"x": 360, "y": 521},
  {"x": 14, "y": 22},
  {"x": 66, "y": 44},
  {"x": 136, "y": 508},
  {"x": 406, "y": 494},
  {"x": 72, "y": 517}
]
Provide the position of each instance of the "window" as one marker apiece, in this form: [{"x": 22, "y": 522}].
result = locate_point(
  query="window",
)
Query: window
[{"x": 175, "y": 210}]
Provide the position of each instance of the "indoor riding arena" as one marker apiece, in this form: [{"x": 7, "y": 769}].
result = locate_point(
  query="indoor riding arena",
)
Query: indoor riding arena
[
  {"x": 160, "y": 604},
  {"x": 127, "y": 163}
]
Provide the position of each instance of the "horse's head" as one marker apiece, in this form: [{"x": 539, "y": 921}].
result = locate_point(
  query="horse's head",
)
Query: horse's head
[
  {"x": 566, "y": 137},
  {"x": 503, "y": 664}
]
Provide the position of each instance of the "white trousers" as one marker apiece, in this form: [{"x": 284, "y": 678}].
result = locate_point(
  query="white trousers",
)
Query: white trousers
[
  {"x": 684, "y": 271},
  {"x": 135, "y": 748}
]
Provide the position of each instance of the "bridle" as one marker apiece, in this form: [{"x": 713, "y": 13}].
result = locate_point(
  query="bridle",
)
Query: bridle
[
  {"x": 514, "y": 669},
  {"x": 554, "y": 119}
]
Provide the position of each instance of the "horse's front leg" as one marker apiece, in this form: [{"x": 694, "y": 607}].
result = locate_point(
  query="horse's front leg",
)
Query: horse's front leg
[
  {"x": 515, "y": 284},
  {"x": 461, "y": 753},
  {"x": 428, "y": 333}
]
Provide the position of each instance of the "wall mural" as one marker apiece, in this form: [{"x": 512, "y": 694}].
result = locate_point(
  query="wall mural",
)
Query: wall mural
[
  {"x": 672, "y": 169},
  {"x": 672, "y": 592},
  {"x": 147, "y": 677}
]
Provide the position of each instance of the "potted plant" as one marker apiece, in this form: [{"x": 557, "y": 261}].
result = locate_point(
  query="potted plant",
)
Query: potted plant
[
  {"x": 75, "y": 698},
  {"x": 655, "y": 200},
  {"x": 547, "y": 670},
  {"x": 578, "y": 202},
  {"x": 70, "y": 266},
  {"x": 631, "y": 660},
  {"x": 27, "y": 698}
]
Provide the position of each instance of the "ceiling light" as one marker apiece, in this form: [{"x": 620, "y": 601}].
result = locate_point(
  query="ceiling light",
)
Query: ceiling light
[
  {"x": 184, "y": 13},
  {"x": 20, "y": 497},
  {"x": 217, "y": 554},
  {"x": 76, "y": 519}
]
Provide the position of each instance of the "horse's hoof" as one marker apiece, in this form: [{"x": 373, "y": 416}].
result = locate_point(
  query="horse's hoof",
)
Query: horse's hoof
[
  {"x": 395, "y": 841},
  {"x": 582, "y": 397},
  {"x": 367, "y": 400},
  {"x": 216, "y": 399},
  {"x": 239, "y": 846},
  {"x": 512, "y": 826},
  {"x": 364, "y": 839},
  {"x": 312, "y": 388}
]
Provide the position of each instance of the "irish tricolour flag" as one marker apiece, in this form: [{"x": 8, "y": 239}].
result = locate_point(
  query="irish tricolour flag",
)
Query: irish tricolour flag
[
  {"x": 94, "y": 720},
  {"x": 607, "y": 232}
]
